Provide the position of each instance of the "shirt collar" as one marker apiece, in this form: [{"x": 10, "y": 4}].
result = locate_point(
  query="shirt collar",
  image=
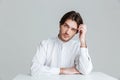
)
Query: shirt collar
[{"x": 62, "y": 42}]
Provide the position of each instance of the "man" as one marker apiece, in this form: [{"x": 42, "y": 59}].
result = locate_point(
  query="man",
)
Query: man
[{"x": 62, "y": 54}]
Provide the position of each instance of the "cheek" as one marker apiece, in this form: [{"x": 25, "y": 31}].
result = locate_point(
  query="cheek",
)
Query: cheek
[
  {"x": 73, "y": 34},
  {"x": 62, "y": 30}
]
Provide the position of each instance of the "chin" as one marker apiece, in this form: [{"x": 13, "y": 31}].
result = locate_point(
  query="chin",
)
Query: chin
[{"x": 65, "y": 40}]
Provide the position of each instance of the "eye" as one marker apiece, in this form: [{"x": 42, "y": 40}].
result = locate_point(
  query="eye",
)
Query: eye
[
  {"x": 74, "y": 30},
  {"x": 65, "y": 25}
]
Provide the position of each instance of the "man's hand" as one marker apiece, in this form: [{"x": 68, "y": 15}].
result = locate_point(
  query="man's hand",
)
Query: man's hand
[
  {"x": 82, "y": 34},
  {"x": 71, "y": 70}
]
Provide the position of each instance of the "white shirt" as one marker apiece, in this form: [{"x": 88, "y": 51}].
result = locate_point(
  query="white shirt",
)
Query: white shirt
[{"x": 53, "y": 54}]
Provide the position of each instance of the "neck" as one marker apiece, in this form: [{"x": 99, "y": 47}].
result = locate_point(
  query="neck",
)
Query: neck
[{"x": 61, "y": 38}]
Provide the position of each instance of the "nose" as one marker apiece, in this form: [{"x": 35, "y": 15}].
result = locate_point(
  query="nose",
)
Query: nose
[{"x": 68, "y": 30}]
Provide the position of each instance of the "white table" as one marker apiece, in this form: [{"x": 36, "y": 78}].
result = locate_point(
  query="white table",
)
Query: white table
[{"x": 91, "y": 76}]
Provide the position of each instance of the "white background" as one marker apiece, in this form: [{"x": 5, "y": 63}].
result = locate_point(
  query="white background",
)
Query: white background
[{"x": 23, "y": 23}]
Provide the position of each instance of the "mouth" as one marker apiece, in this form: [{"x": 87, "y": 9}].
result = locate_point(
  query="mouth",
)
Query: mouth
[{"x": 66, "y": 35}]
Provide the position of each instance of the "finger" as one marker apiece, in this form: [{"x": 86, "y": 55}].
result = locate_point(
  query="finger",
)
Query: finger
[
  {"x": 82, "y": 25},
  {"x": 82, "y": 29}
]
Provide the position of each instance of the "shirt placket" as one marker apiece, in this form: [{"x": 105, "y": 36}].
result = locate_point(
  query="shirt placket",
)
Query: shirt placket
[{"x": 62, "y": 55}]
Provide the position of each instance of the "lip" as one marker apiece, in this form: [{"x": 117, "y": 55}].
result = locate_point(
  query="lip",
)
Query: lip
[{"x": 66, "y": 35}]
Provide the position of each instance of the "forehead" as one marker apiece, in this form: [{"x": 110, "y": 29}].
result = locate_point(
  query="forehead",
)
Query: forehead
[{"x": 71, "y": 23}]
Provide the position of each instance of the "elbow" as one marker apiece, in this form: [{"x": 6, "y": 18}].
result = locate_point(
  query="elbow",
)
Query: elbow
[
  {"x": 87, "y": 70},
  {"x": 32, "y": 72}
]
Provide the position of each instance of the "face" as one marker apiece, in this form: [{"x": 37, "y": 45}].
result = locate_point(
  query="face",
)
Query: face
[{"x": 67, "y": 30}]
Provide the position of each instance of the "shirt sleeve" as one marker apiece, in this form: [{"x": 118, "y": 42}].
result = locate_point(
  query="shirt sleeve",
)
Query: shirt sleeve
[
  {"x": 83, "y": 61},
  {"x": 39, "y": 60}
]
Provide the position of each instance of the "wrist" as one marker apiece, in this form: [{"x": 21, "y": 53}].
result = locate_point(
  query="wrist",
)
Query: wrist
[
  {"x": 83, "y": 45},
  {"x": 61, "y": 70}
]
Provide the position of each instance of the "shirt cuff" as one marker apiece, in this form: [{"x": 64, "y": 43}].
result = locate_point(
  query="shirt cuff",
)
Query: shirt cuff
[{"x": 56, "y": 70}]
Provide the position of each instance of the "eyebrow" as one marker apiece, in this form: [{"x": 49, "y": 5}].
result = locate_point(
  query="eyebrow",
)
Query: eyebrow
[{"x": 69, "y": 26}]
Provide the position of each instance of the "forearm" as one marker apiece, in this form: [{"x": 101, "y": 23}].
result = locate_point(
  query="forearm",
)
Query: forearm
[
  {"x": 40, "y": 69},
  {"x": 84, "y": 64},
  {"x": 71, "y": 70}
]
